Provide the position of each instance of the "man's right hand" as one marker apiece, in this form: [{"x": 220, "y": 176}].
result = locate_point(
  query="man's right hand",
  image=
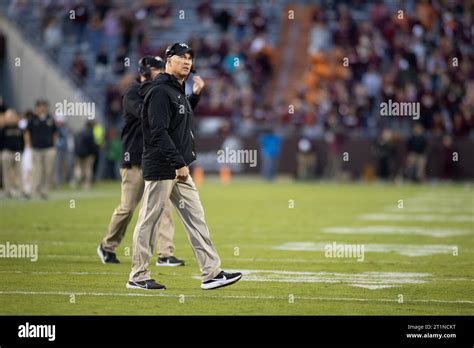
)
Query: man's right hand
[{"x": 182, "y": 173}]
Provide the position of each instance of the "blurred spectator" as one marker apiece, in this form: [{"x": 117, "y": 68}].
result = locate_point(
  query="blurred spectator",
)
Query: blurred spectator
[
  {"x": 205, "y": 13},
  {"x": 84, "y": 152},
  {"x": 127, "y": 25},
  {"x": 232, "y": 60},
  {"x": 96, "y": 33},
  {"x": 99, "y": 137},
  {"x": 161, "y": 14},
  {"x": 27, "y": 158},
  {"x": 114, "y": 106},
  {"x": 449, "y": 158},
  {"x": 12, "y": 155},
  {"x": 79, "y": 68},
  {"x": 17, "y": 9},
  {"x": 119, "y": 63},
  {"x": 101, "y": 65},
  {"x": 270, "y": 146},
  {"x": 223, "y": 19},
  {"x": 112, "y": 154},
  {"x": 306, "y": 160},
  {"x": 372, "y": 83},
  {"x": 257, "y": 19},
  {"x": 240, "y": 23},
  {"x": 63, "y": 158},
  {"x": 417, "y": 149},
  {"x": 3, "y": 51},
  {"x": 41, "y": 136},
  {"x": 111, "y": 33},
  {"x": 2, "y": 139},
  {"x": 384, "y": 149},
  {"x": 320, "y": 39},
  {"x": 81, "y": 17},
  {"x": 53, "y": 37},
  {"x": 144, "y": 47}
]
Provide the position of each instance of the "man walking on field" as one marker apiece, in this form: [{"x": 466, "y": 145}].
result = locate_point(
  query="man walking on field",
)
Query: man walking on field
[{"x": 168, "y": 151}]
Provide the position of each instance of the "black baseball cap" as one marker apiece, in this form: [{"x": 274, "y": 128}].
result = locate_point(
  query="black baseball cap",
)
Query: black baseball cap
[
  {"x": 179, "y": 49},
  {"x": 151, "y": 62}
]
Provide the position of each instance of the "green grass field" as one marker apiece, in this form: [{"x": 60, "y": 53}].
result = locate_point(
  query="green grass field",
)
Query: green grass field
[{"x": 418, "y": 259}]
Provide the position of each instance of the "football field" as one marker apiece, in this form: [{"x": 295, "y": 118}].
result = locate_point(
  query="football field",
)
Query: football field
[{"x": 303, "y": 248}]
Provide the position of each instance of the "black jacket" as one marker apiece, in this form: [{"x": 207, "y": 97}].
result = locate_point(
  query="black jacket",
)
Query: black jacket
[
  {"x": 2, "y": 139},
  {"x": 84, "y": 144},
  {"x": 167, "y": 128},
  {"x": 13, "y": 138},
  {"x": 417, "y": 144},
  {"x": 132, "y": 136}
]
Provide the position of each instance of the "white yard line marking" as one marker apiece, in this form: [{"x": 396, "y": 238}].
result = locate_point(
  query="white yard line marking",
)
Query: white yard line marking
[
  {"x": 412, "y": 230},
  {"x": 258, "y": 259},
  {"x": 61, "y": 273},
  {"x": 417, "y": 217},
  {"x": 91, "y": 257},
  {"x": 409, "y": 208},
  {"x": 125, "y": 274},
  {"x": 67, "y": 195},
  {"x": 369, "y": 280},
  {"x": 62, "y": 242},
  {"x": 372, "y": 287},
  {"x": 283, "y": 298},
  {"x": 328, "y": 260},
  {"x": 444, "y": 196},
  {"x": 402, "y": 249}
]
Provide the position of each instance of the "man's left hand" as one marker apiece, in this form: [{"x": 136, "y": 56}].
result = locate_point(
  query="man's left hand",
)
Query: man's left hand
[{"x": 198, "y": 85}]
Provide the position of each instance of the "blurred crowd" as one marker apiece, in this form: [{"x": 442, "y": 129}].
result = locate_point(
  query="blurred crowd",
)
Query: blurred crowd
[
  {"x": 233, "y": 55},
  {"x": 38, "y": 152},
  {"x": 360, "y": 54},
  {"x": 413, "y": 51},
  {"x": 422, "y": 53}
]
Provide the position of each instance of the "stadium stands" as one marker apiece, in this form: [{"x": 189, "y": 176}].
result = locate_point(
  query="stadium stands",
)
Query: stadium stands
[{"x": 331, "y": 63}]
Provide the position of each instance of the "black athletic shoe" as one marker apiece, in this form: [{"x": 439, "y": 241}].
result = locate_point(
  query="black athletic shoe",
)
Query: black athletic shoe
[
  {"x": 169, "y": 261},
  {"x": 149, "y": 284},
  {"x": 222, "y": 279},
  {"x": 106, "y": 256}
]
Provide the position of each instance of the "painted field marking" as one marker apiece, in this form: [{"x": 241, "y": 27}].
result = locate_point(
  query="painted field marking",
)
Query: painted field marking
[
  {"x": 443, "y": 198},
  {"x": 411, "y": 230},
  {"x": 283, "y": 298},
  {"x": 61, "y": 273},
  {"x": 67, "y": 195},
  {"x": 254, "y": 259},
  {"x": 417, "y": 217},
  {"x": 125, "y": 274},
  {"x": 369, "y": 280},
  {"x": 402, "y": 249},
  {"x": 429, "y": 209}
]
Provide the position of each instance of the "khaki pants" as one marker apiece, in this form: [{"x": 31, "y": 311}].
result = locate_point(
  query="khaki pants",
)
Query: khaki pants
[
  {"x": 11, "y": 170},
  {"x": 43, "y": 169},
  {"x": 185, "y": 198},
  {"x": 132, "y": 192},
  {"x": 306, "y": 165},
  {"x": 418, "y": 161},
  {"x": 83, "y": 170}
]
